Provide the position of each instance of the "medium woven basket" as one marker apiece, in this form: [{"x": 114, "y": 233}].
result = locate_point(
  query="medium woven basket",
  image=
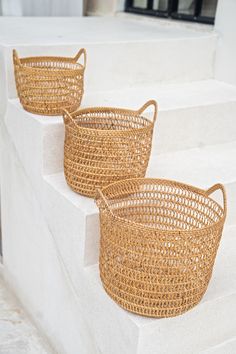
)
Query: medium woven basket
[
  {"x": 159, "y": 241},
  {"x": 47, "y": 85},
  {"x": 103, "y": 145}
]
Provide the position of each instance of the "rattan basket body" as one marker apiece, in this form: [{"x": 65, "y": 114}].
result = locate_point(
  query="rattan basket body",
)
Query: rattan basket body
[
  {"x": 159, "y": 241},
  {"x": 103, "y": 145},
  {"x": 47, "y": 85}
]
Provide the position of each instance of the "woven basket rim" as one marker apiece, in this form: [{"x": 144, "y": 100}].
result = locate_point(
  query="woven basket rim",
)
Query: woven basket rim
[
  {"x": 52, "y": 71},
  {"x": 156, "y": 180},
  {"x": 34, "y": 59},
  {"x": 110, "y": 109}
]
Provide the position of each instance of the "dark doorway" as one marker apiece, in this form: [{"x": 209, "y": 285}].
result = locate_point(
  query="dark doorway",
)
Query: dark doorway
[{"x": 190, "y": 10}]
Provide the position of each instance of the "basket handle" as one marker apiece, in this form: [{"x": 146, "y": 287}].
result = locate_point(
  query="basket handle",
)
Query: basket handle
[
  {"x": 16, "y": 58},
  {"x": 148, "y": 104},
  {"x": 68, "y": 118},
  {"x": 216, "y": 187},
  {"x": 101, "y": 196},
  {"x": 82, "y": 51}
]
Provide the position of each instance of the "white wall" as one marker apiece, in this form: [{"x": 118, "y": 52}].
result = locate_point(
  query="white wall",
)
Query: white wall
[
  {"x": 225, "y": 25},
  {"x": 41, "y": 8}
]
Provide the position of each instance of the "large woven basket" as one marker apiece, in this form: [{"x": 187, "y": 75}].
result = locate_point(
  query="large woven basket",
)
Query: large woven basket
[
  {"x": 47, "y": 85},
  {"x": 103, "y": 145},
  {"x": 159, "y": 241}
]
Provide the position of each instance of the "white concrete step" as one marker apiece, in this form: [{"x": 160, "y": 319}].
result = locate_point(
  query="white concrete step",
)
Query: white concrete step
[
  {"x": 121, "y": 52},
  {"x": 190, "y": 115},
  {"x": 209, "y": 323}
]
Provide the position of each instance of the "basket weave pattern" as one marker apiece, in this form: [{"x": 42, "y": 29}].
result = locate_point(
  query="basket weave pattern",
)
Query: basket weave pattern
[
  {"x": 103, "y": 145},
  {"x": 159, "y": 241},
  {"x": 47, "y": 85}
]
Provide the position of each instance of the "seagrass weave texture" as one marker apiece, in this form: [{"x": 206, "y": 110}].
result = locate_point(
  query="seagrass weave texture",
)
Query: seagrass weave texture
[
  {"x": 103, "y": 145},
  {"x": 46, "y": 85},
  {"x": 159, "y": 241}
]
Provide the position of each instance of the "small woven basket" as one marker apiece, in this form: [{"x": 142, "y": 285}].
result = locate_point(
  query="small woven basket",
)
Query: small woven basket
[
  {"x": 103, "y": 145},
  {"x": 47, "y": 85},
  {"x": 159, "y": 241}
]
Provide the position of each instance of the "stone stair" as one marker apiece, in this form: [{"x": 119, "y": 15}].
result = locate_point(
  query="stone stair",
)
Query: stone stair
[{"x": 51, "y": 249}]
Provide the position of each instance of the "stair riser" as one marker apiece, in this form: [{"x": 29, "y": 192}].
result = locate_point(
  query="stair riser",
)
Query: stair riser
[
  {"x": 190, "y": 127},
  {"x": 123, "y": 64}
]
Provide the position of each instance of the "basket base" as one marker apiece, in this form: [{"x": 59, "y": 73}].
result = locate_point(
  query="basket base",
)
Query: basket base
[
  {"x": 78, "y": 191},
  {"x": 93, "y": 192},
  {"x": 151, "y": 312},
  {"x": 50, "y": 114}
]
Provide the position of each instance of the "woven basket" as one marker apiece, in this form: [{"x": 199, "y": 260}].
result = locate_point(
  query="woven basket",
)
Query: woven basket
[
  {"x": 46, "y": 85},
  {"x": 103, "y": 145},
  {"x": 158, "y": 245}
]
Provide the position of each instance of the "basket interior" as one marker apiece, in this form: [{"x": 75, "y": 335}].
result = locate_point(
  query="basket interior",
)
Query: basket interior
[
  {"x": 163, "y": 206},
  {"x": 51, "y": 63},
  {"x": 110, "y": 119}
]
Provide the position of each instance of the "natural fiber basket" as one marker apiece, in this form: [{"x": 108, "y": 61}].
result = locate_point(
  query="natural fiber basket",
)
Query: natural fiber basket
[
  {"x": 103, "y": 145},
  {"x": 159, "y": 241},
  {"x": 46, "y": 85}
]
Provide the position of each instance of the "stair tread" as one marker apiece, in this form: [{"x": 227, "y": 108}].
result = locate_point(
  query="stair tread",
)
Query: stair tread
[
  {"x": 199, "y": 166},
  {"x": 169, "y": 96},
  {"x": 60, "y": 31}
]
